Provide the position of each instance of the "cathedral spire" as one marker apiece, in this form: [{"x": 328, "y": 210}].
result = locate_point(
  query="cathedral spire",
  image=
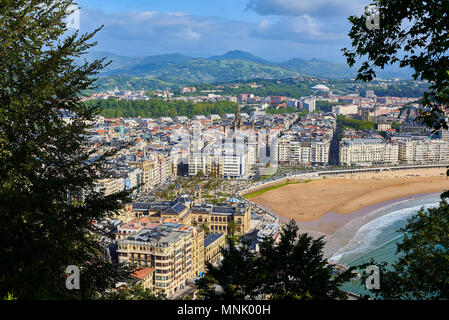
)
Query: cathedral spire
[{"x": 238, "y": 118}]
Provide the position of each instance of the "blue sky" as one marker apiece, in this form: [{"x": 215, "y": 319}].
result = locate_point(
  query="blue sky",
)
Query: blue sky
[{"x": 277, "y": 30}]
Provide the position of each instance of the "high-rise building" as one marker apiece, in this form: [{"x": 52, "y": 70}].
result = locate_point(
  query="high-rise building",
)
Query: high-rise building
[
  {"x": 174, "y": 251},
  {"x": 309, "y": 104}
]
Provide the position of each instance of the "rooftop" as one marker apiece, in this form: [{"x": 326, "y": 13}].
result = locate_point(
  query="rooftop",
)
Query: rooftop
[
  {"x": 212, "y": 238},
  {"x": 142, "y": 273},
  {"x": 176, "y": 209}
]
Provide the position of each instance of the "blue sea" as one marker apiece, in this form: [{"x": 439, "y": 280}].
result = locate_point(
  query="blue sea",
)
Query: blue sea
[{"x": 375, "y": 235}]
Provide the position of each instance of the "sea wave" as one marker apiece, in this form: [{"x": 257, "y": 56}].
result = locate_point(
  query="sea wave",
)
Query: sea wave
[{"x": 365, "y": 239}]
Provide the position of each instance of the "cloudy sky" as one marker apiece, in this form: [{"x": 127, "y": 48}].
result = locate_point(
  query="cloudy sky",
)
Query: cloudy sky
[{"x": 276, "y": 30}]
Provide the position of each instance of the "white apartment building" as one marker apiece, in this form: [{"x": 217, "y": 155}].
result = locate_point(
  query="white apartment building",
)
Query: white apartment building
[
  {"x": 134, "y": 179},
  {"x": 320, "y": 152},
  {"x": 197, "y": 163},
  {"x": 283, "y": 149},
  {"x": 424, "y": 151},
  {"x": 299, "y": 154},
  {"x": 110, "y": 186},
  {"x": 253, "y": 153},
  {"x": 225, "y": 165},
  {"x": 367, "y": 151},
  {"x": 309, "y": 104},
  {"x": 236, "y": 165},
  {"x": 383, "y": 126},
  {"x": 391, "y": 153},
  {"x": 345, "y": 110},
  {"x": 294, "y": 152}
]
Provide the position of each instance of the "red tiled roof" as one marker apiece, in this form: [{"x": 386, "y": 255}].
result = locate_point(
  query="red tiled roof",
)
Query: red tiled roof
[{"x": 142, "y": 273}]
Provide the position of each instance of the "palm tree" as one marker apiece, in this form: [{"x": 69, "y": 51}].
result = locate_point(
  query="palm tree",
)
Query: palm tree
[{"x": 205, "y": 228}]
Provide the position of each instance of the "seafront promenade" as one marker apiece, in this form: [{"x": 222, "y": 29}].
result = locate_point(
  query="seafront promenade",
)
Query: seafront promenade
[
  {"x": 319, "y": 174},
  {"x": 313, "y": 196}
]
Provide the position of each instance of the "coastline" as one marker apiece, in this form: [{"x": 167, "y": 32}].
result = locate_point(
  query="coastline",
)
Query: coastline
[
  {"x": 376, "y": 228},
  {"x": 348, "y": 194},
  {"x": 328, "y": 225},
  {"x": 332, "y": 222}
]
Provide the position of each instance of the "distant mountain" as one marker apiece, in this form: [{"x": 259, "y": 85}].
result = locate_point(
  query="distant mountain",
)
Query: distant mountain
[
  {"x": 318, "y": 67},
  {"x": 192, "y": 72},
  {"x": 172, "y": 70},
  {"x": 240, "y": 55},
  {"x": 136, "y": 65}
]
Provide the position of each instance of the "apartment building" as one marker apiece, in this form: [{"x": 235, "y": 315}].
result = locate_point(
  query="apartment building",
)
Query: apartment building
[
  {"x": 424, "y": 151},
  {"x": 212, "y": 247},
  {"x": 156, "y": 169},
  {"x": 367, "y": 152},
  {"x": 309, "y": 104},
  {"x": 110, "y": 186},
  {"x": 283, "y": 149},
  {"x": 298, "y": 154},
  {"x": 224, "y": 165},
  {"x": 319, "y": 152},
  {"x": 345, "y": 109},
  {"x": 383, "y": 126},
  {"x": 146, "y": 166},
  {"x": 293, "y": 151},
  {"x": 391, "y": 153},
  {"x": 174, "y": 251}
]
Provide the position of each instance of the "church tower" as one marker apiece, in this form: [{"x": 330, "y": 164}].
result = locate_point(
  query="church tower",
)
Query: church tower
[
  {"x": 238, "y": 119},
  {"x": 197, "y": 194},
  {"x": 178, "y": 190}
]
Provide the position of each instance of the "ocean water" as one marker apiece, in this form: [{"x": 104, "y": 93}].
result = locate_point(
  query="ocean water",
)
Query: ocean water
[{"x": 374, "y": 236}]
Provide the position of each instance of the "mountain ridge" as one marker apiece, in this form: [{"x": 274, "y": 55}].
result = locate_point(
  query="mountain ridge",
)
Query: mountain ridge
[{"x": 175, "y": 69}]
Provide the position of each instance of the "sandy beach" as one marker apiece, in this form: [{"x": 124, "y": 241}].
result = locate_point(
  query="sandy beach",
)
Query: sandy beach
[{"x": 336, "y": 196}]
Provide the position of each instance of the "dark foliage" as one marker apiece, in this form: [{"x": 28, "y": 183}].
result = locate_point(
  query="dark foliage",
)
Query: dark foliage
[
  {"x": 293, "y": 269},
  {"x": 44, "y": 167}
]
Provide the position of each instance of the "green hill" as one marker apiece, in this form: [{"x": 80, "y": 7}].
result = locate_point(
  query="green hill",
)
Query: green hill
[
  {"x": 195, "y": 71},
  {"x": 174, "y": 70}
]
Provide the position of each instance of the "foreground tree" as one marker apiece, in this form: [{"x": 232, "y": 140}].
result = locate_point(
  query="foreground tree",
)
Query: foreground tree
[
  {"x": 293, "y": 269},
  {"x": 237, "y": 277},
  {"x": 412, "y": 33},
  {"x": 422, "y": 271},
  {"x": 132, "y": 291},
  {"x": 44, "y": 164}
]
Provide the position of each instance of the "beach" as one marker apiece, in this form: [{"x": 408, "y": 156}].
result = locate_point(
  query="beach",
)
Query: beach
[{"x": 326, "y": 201}]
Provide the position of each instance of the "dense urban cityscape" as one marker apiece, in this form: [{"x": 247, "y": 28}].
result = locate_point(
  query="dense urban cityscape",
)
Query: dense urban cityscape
[
  {"x": 258, "y": 157},
  {"x": 188, "y": 174}
]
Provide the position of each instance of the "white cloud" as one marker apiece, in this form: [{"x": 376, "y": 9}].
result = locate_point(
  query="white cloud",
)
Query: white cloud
[
  {"x": 147, "y": 25},
  {"x": 304, "y": 29},
  {"x": 151, "y": 32}
]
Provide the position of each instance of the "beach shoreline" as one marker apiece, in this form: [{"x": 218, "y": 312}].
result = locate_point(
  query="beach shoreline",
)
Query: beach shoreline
[
  {"x": 322, "y": 207},
  {"x": 365, "y": 228},
  {"x": 331, "y": 222},
  {"x": 347, "y": 194}
]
